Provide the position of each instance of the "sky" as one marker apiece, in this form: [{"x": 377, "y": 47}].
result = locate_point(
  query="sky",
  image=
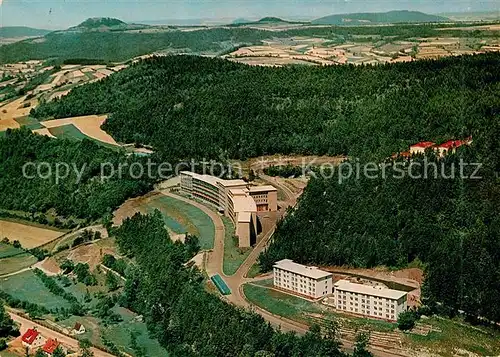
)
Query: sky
[{"x": 59, "y": 14}]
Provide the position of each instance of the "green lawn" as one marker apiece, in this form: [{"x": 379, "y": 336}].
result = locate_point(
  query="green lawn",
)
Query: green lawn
[
  {"x": 457, "y": 334},
  {"x": 233, "y": 256},
  {"x": 26, "y": 286},
  {"x": 16, "y": 263},
  {"x": 172, "y": 224},
  {"x": 187, "y": 217},
  {"x": 254, "y": 271},
  {"x": 280, "y": 303},
  {"x": 29, "y": 122},
  {"x": 7, "y": 250},
  {"x": 298, "y": 309}
]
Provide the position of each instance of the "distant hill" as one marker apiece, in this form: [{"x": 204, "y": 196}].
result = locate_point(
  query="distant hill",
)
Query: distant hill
[
  {"x": 21, "y": 31},
  {"x": 378, "y": 18},
  {"x": 266, "y": 20},
  {"x": 97, "y": 22},
  {"x": 103, "y": 24}
]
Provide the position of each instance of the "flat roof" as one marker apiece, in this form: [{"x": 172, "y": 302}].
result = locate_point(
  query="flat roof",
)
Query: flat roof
[
  {"x": 310, "y": 272},
  {"x": 231, "y": 183},
  {"x": 265, "y": 188},
  {"x": 205, "y": 178},
  {"x": 243, "y": 203},
  {"x": 346, "y": 285},
  {"x": 244, "y": 217}
]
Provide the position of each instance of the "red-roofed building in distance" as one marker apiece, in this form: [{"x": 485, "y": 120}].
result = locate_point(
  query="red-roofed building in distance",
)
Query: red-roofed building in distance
[
  {"x": 32, "y": 339},
  {"x": 420, "y": 148},
  {"x": 451, "y": 146},
  {"x": 50, "y": 346}
]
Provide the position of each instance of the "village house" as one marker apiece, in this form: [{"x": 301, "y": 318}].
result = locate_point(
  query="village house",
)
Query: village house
[{"x": 32, "y": 339}]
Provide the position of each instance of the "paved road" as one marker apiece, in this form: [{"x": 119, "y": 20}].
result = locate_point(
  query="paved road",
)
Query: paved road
[{"x": 46, "y": 332}]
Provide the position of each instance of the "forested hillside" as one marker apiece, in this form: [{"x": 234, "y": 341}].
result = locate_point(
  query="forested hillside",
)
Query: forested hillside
[
  {"x": 200, "y": 107},
  {"x": 186, "y": 319},
  {"x": 390, "y": 17},
  {"x": 88, "y": 198},
  {"x": 451, "y": 225}
]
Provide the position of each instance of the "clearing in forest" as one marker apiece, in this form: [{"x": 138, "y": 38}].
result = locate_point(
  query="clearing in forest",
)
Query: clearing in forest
[{"x": 89, "y": 125}]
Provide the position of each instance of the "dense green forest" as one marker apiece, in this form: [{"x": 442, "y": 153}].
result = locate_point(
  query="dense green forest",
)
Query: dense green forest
[
  {"x": 199, "y": 107},
  {"x": 187, "y": 320},
  {"x": 450, "y": 225},
  {"x": 88, "y": 198}
]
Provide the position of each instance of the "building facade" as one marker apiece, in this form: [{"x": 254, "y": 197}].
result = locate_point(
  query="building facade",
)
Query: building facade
[
  {"x": 299, "y": 279},
  {"x": 370, "y": 301},
  {"x": 265, "y": 197},
  {"x": 235, "y": 198}
]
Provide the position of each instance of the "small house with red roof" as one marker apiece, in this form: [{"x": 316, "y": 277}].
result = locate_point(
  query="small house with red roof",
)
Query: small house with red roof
[
  {"x": 50, "y": 346},
  {"x": 419, "y": 148},
  {"x": 32, "y": 339},
  {"x": 451, "y": 146}
]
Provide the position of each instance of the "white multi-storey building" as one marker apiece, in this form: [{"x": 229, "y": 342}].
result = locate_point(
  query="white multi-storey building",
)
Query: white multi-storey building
[
  {"x": 371, "y": 301},
  {"x": 307, "y": 281}
]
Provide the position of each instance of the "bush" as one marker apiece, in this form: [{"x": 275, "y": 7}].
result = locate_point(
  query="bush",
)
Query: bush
[{"x": 406, "y": 320}]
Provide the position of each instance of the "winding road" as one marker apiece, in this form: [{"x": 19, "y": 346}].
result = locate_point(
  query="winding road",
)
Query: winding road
[{"x": 215, "y": 261}]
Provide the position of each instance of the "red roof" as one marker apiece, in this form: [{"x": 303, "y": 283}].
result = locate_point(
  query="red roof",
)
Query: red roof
[
  {"x": 453, "y": 144},
  {"x": 30, "y": 336},
  {"x": 50, "y": 346},
  {"x": 424, "y": 144}
]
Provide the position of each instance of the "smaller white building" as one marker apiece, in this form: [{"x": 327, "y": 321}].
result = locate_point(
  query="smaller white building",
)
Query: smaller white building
[
  {"x": 310, "y": 282},
  {"x": 370, "y": 301}
]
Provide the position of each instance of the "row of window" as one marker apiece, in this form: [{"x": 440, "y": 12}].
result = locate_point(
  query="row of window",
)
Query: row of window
[{"x": 363, "y": 312}]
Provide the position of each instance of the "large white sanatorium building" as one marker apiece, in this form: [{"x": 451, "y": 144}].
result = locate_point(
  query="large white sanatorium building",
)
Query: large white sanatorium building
[
  {"x": 372, "y": 301},
  {"x": 237, "y": 199},
  {"x": 310, "y": 282}
]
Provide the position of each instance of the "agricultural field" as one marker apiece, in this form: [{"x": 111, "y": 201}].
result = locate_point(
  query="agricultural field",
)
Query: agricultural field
[
  {"x": 28, "y": 287},
  {"x": 7, "y": 250},
  {"x": 13, "y": 264},
  {"x": 30, "y": 236},
  {"x": 80, "y": 127},
  {"x": 358, "y": 51}
]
